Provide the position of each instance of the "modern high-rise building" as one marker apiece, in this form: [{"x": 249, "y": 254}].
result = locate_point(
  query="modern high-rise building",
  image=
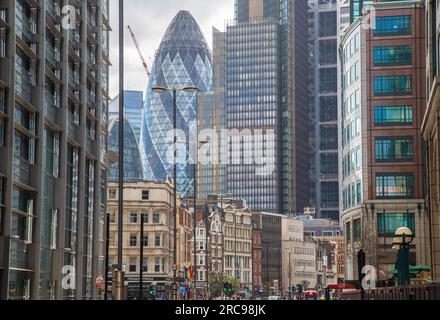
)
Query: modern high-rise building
[
  {"x": 430, "y": 129},
  {"x": 211, "y": 177},
  {"x": 133, "y": 109},
  {"x": 182, "y": 60},
  {"x": 133, "y": 169},
  {"x": 381, "y": 170},
  {"x": 327, "y": 22},
  {"x": 356, "y": 7},
  {"x": 266, "y": 104},
  {"x": 53, "y": 124}
]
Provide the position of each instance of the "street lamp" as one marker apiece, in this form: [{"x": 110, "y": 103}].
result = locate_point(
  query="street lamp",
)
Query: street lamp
[
  {"x": 403, "y": 237},
  {"x": 189, "y": 89}
]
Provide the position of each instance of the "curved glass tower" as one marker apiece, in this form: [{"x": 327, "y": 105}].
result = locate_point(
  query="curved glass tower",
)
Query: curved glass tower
[
  {"x": 133, "y": 169},
  {"x": 183, "y": 60}
]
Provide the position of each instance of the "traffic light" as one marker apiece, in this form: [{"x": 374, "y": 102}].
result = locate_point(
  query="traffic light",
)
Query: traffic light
[
  {"x": 151, "y": 293},
  {"x": 225, "y": 287}
]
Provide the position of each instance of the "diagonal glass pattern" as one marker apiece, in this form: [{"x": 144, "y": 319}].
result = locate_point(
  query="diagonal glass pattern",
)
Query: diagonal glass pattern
[{"x": 183, "y": 59}]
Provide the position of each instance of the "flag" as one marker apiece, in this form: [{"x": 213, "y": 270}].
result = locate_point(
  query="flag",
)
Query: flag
[{"x": 188, "y": 271}]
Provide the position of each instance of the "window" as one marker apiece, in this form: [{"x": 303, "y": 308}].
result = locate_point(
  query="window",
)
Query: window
[
  {"x": 112, "y": 194},
  {"x": 392, "y": 25},
  {"x": 132, "y": 265},
  {"x": 395, "y": 186},
  {"x": 394, "y": 149},
  {"x": 392, "y": 55},
  {"x": 156, "y": 218},
  {"x": 2, "y": 133},
  {"x": 389, "y": 222},
  {"x": 145, "y": 217},
  {"x": 145, "y": 240},
  {"x": 145, "y": 195},
  {"x": 133, "y": 218},
  {"x": 393, "y": 115},
  {"x": 157, "y": 240},
  {"x": 157, "y": 261},
  {"x": 348, "y": 232},
  {"x": 145, "y": 264},
  {"x": 133, "y": 240},
  {"x": 357, "y": 230},
  {"x": 392, "y": 85}
]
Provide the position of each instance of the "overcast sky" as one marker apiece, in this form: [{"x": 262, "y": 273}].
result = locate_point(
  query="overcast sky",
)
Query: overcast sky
[{"x": 149, "y": 20}]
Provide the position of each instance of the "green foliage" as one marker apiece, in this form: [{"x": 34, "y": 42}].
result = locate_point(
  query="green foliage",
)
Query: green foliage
[{"x": 217, "y": 281}]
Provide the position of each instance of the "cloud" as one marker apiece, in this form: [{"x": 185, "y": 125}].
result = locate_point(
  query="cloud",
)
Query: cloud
[{"x": 149, "y": 20}]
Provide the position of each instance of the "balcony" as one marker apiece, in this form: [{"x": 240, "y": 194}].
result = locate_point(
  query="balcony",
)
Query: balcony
[
  {"x": 23, "y": 84},
  {"x": 18, "y": 254},
  {"x": 3, "y": 18},
  {"x": 21, "y": 170},
  {"x": 53, "y": 10},
  {"x": 90, "y": 145},
  {"x": 50, "y": 107},
  {"x": 53, "y": 56},
  {"x": 26, "y": 29},
  {"x": 72, "y": 129}
]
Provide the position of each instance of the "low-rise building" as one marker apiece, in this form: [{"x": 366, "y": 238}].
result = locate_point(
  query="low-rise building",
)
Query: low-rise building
[
  {"x": 298, "y": 256},
  {"x": 154, "y": 202}
]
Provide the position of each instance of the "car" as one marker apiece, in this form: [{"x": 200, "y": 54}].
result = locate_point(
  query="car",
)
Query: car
[{"x": 274, "y": 298}]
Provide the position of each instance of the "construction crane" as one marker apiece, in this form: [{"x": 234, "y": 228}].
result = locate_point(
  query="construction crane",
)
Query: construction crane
[{"x": 139, "y": 51}]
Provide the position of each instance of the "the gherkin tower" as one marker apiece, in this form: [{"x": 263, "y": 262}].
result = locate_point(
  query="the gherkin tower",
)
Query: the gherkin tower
[{"x": 183, "y": 59}]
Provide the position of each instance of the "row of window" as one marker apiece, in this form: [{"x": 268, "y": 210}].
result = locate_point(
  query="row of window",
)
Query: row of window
[
  {"x": 158, "y": 265},
  {"x": 387, "y": 224},
  {"x": 352, "y": 195}
]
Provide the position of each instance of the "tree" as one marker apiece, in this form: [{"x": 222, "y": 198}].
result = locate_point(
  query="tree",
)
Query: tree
[{"x": 217, "y": 281}]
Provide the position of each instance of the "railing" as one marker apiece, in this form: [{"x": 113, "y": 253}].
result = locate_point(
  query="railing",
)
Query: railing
[
  {"x": 21, "y": 170},
  {"x": 52, "y": 9},
  {"x": 23, "y": 83},
  {"x": 50, "y": 108},
  {"x": 415, "y": 292},
  {"x": 18, "y": 254}
]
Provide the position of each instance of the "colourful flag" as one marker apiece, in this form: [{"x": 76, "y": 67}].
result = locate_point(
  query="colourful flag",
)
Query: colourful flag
[{"x": 188, "y": 271}]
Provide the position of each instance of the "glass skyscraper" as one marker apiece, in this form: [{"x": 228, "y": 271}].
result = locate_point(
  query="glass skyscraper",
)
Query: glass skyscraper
[
  {"x": 183, "y": 59},
  {"x": 54, "y": 107},
  {"x": 134, "y": 104},
  {"x": 133, "y": 169},
  {"x": 327, "y": 21},
  {"x": 266, "y": 102}
]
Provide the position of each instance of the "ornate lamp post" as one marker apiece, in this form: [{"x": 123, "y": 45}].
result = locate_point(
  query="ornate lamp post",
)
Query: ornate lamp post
[{"x": 403, "y": 237}]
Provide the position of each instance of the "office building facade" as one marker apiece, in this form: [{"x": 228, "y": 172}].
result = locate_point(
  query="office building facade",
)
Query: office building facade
[
  {"x": 327, "y": 22},
  {"x": 133, "y": 109},
  {"x": 182, "y": 60},
  {"x": 211, "y": 177},
  {"x": 132, "y": 155},
  {"x": 267, "y": 105},
  {"x": 430, "y": 129},
  {"x": 382, "y": 152},
  {"x": 53, "y": 124}
]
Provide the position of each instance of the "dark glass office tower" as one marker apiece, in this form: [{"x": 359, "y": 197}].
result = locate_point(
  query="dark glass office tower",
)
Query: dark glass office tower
[
  {"x": 266, "y": 90},
  {"x": 326, "y": 24},
  {"x": 53, "y": 124}
]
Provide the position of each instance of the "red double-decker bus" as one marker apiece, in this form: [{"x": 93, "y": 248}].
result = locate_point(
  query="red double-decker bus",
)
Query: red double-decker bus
[{"x": 311, "y": 295}]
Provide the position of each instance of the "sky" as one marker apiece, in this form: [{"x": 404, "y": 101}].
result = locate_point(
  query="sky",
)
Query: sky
[{"x": 149, "y": 20}]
